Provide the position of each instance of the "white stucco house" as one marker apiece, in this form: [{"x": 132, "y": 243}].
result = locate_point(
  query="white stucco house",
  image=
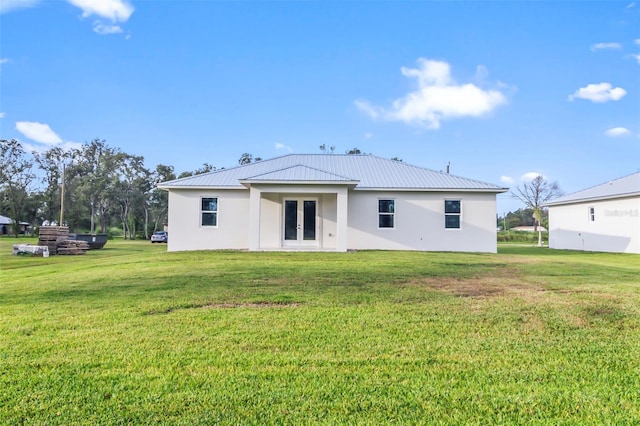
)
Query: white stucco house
[
  {"x": 332, "y": 203},
  {"x": 605, "y": 217}
]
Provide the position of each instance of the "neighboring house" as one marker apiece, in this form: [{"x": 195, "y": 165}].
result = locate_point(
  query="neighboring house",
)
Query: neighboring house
[
  {"x": 332, "y": 203},
  {"x": 528, "y": 228},
  {"x": 5, "y": 226},
  {"x": 602, "y": 218}
]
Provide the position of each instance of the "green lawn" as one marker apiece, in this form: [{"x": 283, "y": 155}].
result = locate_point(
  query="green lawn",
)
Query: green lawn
[{"x": 134, "y": 335}]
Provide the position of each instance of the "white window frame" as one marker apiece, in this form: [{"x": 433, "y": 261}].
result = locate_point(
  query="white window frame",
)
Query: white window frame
[
  {"x": 592, "y": 213},
  {"x": 202, "y": 225},
  {"x": 459, "y": 214},
  {"x": 392, "y": 214}
]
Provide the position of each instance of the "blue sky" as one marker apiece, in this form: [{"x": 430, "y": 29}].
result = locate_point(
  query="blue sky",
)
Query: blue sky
[{"x": 502, "y": 90}]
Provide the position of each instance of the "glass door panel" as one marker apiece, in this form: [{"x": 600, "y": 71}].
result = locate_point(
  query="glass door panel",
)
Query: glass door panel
[
  {"x": 291, "y": 220},
  {"x": 309, "y": 220}
]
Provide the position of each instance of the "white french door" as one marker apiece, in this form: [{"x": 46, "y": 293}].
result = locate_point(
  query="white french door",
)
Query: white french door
[{"x": 300, "y": 218}]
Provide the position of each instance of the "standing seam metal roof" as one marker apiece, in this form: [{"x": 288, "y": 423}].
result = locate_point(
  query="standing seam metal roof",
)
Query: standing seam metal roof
[
  {"x": 621, "y": 187},
  {"x": 299, "y": 173},
  {"x": 372, "y": 173}
]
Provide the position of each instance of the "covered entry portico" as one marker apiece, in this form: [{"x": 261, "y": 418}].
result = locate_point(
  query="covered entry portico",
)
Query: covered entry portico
[
  {"x": 298, "y": 217},
  {"x": 298, "y": 208}
]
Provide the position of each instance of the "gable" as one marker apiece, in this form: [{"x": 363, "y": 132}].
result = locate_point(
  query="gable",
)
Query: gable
[{"x": 299, "y": 173}]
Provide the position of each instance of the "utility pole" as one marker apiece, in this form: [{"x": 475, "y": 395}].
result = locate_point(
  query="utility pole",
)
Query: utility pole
[{"x": 62, "y": 197}]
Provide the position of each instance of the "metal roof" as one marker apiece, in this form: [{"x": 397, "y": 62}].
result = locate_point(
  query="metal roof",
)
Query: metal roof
[
  {"x": 298, "y": 173},
  {"x": 369, "y": 171},
  {"x": 4, "y": 220},
  {"x": 622, "y": 187}
]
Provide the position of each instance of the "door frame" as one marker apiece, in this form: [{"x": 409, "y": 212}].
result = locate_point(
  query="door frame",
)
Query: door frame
[{"x": 300, "y": 241}]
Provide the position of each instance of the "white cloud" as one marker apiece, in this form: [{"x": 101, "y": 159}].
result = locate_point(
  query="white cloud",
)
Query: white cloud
[
  {"x": 38, "y": 132},
  {"x": 368, "y": 135},
  {"x": 4, "y": 60},
  {"x": 102, "y": 29},
  {"x": 605, "y": 46},
  {"x": 637, "y": 41},
  {"x": 115, "y": 10},
  {"x": 637, "y": 57},
  {"x": 601, "y": 92},
  {"x": 438, "y": 97},
  {"x": 630, "y": 5},
  {"x": 65, "y": 146},
  {"x": 3, "y": 114},
  {"x": 281, "y": 146},
  {"x": 507, "y": 180},
  {"x": 529, "y": 176},
  {"x": 367, "y": 108},
  {"x": 7, "y": 6},
  {"x": 617, "y": 132}
]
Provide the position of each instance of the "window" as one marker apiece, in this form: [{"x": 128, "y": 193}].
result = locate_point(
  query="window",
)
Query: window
[
  {"x": 592, "y": 214},
  {"x": 209, "y": 212},
  {"x": 452, "y": 214},
  {"x": 386, "y": 212}
]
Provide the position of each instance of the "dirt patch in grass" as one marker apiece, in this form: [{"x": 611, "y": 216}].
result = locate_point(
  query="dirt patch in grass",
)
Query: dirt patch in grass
[{"x": 479, "y": 287}]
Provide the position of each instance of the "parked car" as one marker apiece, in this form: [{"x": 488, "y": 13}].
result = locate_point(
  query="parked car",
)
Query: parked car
[{"x": 160, "y": 237}]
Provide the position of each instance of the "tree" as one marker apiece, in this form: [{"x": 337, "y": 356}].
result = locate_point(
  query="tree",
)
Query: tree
[
  {"x": 534, "y": 195},
  {"x": 248, "y": 158},
  {"x": 397, "y": 159},
  {"x": 327, "y": 149},
  {"x": 52, "y": 162},
  {"x": 16, "y": 176},
  {"x": 159, "y": 199},
  {"x": 93, "y": 179},
  {"x": 132, "y": 193},
  {"x": 520, "y": 217},
  {"x": 206, "y": 168},
  {"x": 354, "y": 151}
]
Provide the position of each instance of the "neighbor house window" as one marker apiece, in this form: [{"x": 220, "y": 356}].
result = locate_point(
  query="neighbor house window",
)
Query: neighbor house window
[
  {"x": 209, "y": 212},
  {"x": 386, "y": 213},
  {"x": 452, "y": 214},
  {"x": 592, "y": 214}
]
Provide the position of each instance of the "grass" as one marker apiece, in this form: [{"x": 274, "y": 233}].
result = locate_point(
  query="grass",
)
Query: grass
[{"x": 134, "y": 335}]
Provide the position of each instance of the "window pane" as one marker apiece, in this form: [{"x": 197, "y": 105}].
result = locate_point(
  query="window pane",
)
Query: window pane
[
  {"x": 452, "y": 206},
  {"x": 209, "y": 219},
  {"x": 309, "y": 221},
  {"x": 210, "y": 204},
  {"x": 386, "y": 206},
  {"x": 452, "y": 221},
  {"x": 290, "y": 220},
  {"x": 385, "y": 221}
]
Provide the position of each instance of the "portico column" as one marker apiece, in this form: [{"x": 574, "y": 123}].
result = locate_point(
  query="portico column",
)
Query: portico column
[
  {"x": 342, "y": 219},
  {"x": 254, "y": 219}
]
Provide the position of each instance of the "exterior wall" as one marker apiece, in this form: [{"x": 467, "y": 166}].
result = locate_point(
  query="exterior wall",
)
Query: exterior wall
[
  {"x": 270, "y": 221},
  {"x": 420, "y": 224},
  {"x": 329, "y": 221},
  {"x": 616, "y": 227},
  {"x": 419, "y": 220},
  {"x": 185, "y": 231}
]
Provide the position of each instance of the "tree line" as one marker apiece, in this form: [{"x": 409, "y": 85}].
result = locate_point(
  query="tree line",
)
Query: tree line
[{"x": 103, "y": 186}]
